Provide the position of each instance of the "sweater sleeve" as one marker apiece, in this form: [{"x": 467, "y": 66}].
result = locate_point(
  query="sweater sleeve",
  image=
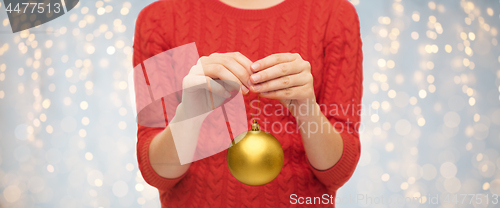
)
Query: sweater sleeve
[
  {"x": 152, "y": 35},
  {"x": 340, "y": 98}
]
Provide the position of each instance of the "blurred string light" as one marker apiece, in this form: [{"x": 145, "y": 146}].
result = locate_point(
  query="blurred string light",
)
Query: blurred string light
[
  {"x": 437, "y": 122},
  {"x": 431, "y": 72},
  {"x": 64, "y": 143}
]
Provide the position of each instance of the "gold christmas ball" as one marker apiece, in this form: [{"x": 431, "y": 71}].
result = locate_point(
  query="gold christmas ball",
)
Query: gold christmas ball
[{"x": 256, "y": 158}]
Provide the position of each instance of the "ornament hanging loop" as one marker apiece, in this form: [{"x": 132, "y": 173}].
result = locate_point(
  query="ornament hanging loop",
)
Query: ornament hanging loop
[{"x": 255, "y": 126}]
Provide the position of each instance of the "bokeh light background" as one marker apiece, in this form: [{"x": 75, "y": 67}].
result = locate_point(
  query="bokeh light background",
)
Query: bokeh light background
[{"x": 431, "y": 122}]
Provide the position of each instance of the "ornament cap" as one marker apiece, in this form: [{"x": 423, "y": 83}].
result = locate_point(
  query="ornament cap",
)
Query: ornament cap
[{"x": 255, "y": 126}]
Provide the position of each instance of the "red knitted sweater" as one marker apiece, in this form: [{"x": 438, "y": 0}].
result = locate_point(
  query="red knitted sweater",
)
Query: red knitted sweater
[{"x": 324, "y": 32}]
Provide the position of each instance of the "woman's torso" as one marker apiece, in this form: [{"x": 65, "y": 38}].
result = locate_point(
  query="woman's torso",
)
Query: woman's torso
[{"x": 297, "y": 26}]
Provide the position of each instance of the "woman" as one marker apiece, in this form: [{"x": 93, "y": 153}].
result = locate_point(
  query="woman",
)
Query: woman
[{"x": 289, "y": 53}]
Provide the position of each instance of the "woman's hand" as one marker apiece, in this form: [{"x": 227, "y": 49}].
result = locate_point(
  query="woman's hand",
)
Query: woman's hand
[
  {"x": 288, "y": 77},
  {"x": 228, "y": 66},
  {"x": 207, "y": 85},
  {"x": 284, "y": 76},
  {"x": 223, "y": 66},
  {"x": 212, "y": 80}
]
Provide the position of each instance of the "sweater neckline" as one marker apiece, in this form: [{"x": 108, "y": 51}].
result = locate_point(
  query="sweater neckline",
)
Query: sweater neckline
[{"x": 277, "y": 9}]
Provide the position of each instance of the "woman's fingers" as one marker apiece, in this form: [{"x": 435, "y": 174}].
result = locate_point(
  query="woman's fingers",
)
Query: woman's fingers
[
  {"x": 197, "y": 82},
  {"x": 217, "y": 71},
  {"x": 274, "y": 72},
  {"x": 288, "y": 93},
  {"x": 272, "y": 60},
  {"x": 216, "y": 88},
  {"x": 243, "y": 60},
  {"x": 281, "y": 83},
  {"x": 231, "y": 62},
  {"x": 232, "y": 65}
]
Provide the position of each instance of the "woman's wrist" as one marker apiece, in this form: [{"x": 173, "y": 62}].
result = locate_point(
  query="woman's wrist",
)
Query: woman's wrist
[
  {"x": 182, "y": 113},
  {"x": 306, "y": 110}
]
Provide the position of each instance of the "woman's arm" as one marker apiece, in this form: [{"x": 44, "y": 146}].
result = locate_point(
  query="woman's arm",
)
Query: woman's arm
[
  {"x": 322, "y": 143},
  {"x": 287, "y": 77},
  {"x": 163, "y": 155},
  {"x": 331, "y": 140},
  {"x": 230, "y": 67},
  {"x": 157, "y": 155}
]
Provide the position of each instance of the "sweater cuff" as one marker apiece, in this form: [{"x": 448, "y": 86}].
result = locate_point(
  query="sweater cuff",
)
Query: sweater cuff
[
  {"x": 147, "y": 171},
  {"x": 339, "y": 174}
]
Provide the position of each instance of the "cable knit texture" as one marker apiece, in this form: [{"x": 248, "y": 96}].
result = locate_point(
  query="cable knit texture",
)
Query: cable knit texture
[{"x": 324, "y": 32}]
